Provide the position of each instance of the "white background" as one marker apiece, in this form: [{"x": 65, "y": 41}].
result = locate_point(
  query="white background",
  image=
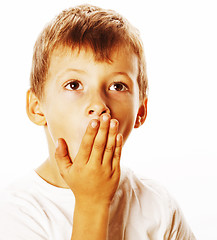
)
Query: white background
[{"x": 177, "y": 146}]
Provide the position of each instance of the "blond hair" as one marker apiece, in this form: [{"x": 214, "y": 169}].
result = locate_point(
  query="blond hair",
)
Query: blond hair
[{"x": 86, "y": 25}]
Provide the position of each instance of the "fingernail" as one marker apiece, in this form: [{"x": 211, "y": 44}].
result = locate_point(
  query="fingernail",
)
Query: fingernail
[
  {"x": 112, "y": 124},
  {"x": 119, "y": 137},
  {"x": 105, "y": 118},
  {"x": 57, "y": 143},
  {"x": 94, "y": 124}
]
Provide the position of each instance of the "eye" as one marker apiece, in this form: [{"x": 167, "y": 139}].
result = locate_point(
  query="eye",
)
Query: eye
[
  {"x": 74, "y": 85},
  {"x": 118, "y": 86}
]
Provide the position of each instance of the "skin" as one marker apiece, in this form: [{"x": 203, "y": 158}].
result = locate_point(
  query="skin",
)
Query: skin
[{"x": 88, "y": 110}]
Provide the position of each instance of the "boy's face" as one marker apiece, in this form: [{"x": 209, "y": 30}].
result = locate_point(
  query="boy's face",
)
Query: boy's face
[{"x": 79, "y": 89}]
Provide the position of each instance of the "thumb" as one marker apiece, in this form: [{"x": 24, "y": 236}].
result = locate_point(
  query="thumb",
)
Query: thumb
[{"x": 62, "y": 156}]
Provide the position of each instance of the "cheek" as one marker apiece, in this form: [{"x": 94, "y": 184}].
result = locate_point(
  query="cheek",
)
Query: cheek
[
  {"x": 126, "y": 125},
  {"x": 62, "y": 122},
  {"x": 65, "y": 119},
  {"x": 71, "y": 129},
  {"x": 125, "y": 113}
]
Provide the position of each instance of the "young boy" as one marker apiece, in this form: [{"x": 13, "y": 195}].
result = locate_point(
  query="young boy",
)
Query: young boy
[{"x": 88, "y": 90}]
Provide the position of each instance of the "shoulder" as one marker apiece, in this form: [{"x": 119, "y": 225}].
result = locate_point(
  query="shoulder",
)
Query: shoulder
[
  {"x": 35, "y": 209},
  {"x": 24, "y": 191},
  {"x": 23, "y": 188},
  {"x": 32, "y": 192},
  {"x": 151, "y": 205},
  {"x": 18, "y": 205},
  {"x": 144, "y": 187},
  {"x": 147, "y": 192},
  {"x": 23, "y": 196}
]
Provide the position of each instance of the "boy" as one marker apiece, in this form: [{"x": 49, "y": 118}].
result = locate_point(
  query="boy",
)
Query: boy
[{"x": 88, "y": 90}]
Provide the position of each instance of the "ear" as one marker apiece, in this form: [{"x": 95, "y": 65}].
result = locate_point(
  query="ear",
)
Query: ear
[
  {"x": 33, "y": 109},
  {"x": 142, "y": 113}
]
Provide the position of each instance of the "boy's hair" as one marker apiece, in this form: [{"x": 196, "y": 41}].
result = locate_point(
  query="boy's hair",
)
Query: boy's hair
[{"x": 86, "y": 26}]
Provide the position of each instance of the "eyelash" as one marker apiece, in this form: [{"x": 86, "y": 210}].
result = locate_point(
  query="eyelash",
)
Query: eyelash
[
  {"x": 79, "y": 86},
  {"x": 123, "y": 85}
]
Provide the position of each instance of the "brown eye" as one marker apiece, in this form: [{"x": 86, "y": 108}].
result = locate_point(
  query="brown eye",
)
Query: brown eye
[
  {"x": 118, "y": 86},
  {"x": 74, "y": 85}
]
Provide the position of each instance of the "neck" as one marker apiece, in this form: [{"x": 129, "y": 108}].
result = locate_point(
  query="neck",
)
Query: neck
[
  {"x": 50, "y": 173},
  {"x": 49, "y": 170}
]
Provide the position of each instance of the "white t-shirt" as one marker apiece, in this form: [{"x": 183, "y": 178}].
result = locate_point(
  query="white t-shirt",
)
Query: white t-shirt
[{"x": 32, "y": 209}]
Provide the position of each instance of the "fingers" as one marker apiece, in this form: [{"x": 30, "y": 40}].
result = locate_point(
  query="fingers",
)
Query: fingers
[
  {"x": 117, "y": 152},
  {"x": 62, "y": 156},
  {"x": 99, "y": 145},
  {"x": 87, "y": 142},
  {"x": 107, "y": 146},
  {"x": 111, "y": 144},
  {"x": 100, "y": 140}
]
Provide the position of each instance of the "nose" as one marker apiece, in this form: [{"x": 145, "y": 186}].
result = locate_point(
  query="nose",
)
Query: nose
[{"x": 97, "y": 106}]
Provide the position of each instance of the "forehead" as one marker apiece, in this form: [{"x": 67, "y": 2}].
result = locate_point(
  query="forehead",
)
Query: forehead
[{"x": 120, "y": 60}]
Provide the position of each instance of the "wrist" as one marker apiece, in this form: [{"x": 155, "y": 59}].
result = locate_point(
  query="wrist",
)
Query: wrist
[
  {"x": 90, "y": 219},
  {"x": 92, "y": 207}
]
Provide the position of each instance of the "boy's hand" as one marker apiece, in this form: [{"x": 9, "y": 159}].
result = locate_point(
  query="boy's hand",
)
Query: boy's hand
[{"x": 94, "y": 174}]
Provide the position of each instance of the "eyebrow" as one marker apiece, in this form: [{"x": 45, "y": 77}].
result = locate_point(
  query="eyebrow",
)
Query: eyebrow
[
  {"x": 123, "y": 74},
  {"x": 80, "y": 71},
  {"x": 75, "y": 70},
  {"x": 61, "y": 74}
]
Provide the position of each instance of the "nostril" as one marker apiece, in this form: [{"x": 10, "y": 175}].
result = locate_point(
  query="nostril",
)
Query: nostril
[
  {"x": 91, "y": 112},
  {"x": 103, "y": 112}
]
